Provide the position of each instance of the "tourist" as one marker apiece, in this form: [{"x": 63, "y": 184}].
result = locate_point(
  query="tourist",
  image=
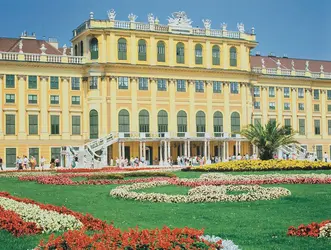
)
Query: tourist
[
  {"x": 57, "y": 162},
  {"x": 42, "y": 163},
  {"x": 247, "y": 156},
  {"x": 25, "y": 162},
  {"x": 326, "y": 157},
  {"x": 111, "y": 162},
  {"x": 238, "y": 157},
  {"x": 73, "y": 164},
  {"x": 33, "y": 163},
  {"x": 52, "y": 163},
  {"x": 85, "y": 161},
  {"x": 1, "y": 163}
]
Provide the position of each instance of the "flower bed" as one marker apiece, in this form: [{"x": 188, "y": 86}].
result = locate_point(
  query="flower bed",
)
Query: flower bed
[
  {"x": 13, "y": 223},
  {"x": 314, "y": 229},
  {"x": 200, "y": 194},
  {"x": 114, "y": 238},
  {"x": 88, "y": 221},
  {"x": 105, "y": 169},
  {"x": 228, "y": 179},
  {"x": 258, "y": 165}
]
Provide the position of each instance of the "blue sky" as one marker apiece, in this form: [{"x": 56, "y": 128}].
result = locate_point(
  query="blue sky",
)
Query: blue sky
[{"x": 298, "y": 28}]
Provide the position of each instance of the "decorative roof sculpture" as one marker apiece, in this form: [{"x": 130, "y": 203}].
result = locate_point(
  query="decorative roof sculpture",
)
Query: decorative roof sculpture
[
  {"x": 180, "y": 19},
  {"x": 111, "y": 14}
]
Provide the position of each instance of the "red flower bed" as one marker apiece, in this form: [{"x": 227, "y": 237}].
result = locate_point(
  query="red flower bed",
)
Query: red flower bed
[
  {"x": 113, "y": 238},
  {"x": 105, "y": 169},
  {"x": 251, "y": 182},
  {"x": 13, "y": 223},
  {"x": 89, "y": 222},
  {"x": 311, "y": 230}
]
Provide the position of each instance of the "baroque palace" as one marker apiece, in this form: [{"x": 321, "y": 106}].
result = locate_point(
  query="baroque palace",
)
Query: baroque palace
[{"x": 127, "y": 88}]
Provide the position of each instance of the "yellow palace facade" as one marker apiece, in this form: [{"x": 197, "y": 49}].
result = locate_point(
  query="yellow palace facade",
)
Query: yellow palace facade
[{"x": 128, "y": 89}]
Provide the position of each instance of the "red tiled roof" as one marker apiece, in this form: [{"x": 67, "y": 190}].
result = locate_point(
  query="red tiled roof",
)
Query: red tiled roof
[
  {"x": 286, "y": 63},
  {"x": 29, "y": 46}
]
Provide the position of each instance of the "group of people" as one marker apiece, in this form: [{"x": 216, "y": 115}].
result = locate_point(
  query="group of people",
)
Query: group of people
[
  {"x": 25, "y": 163},
  {"x": 132, "y": 162}
]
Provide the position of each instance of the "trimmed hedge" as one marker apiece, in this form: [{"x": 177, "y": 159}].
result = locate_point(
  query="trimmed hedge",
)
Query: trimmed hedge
[{"x": 121, "y": 176}]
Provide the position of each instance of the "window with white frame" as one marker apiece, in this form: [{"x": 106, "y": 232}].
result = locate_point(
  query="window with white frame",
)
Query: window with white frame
[
  {"x": 234, "y": 88},
  {"x": 123, "y": 82},
  {"x": 143, "y": 83},
  {"x": 199, "y": 86}
]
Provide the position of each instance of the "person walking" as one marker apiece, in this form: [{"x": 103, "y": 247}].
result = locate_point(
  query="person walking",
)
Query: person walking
[
  {"x": 57, "y": 162},
  {"x": 326, "y": 157},
  {"x": 42, "y": 163}
]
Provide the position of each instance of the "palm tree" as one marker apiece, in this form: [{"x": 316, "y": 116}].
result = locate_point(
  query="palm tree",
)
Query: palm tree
[{"x": 268, "y": 138}]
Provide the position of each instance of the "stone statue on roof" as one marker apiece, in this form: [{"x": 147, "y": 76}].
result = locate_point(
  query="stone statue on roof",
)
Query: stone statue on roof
[
  {"x": 180, "y": 19},
  {"x": 307, "y": 65},
  {"x": 278, "y": 64},
  {"x": 151, "y": 18},
  {"x": 322, "y": 68},
  {"x": 132, "y": 17},
  {"x": 241, "y": 27},
  {"x": 224, "y": 26},
  {"x": 263, "y": 63},
  {"x": 111, "y": 14},
  {"x": 292, "y": 63},
  {"x": 207, "y": 23}
]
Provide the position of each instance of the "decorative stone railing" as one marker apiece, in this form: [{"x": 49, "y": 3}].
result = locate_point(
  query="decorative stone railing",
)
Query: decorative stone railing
[
  {"x": 93, "y": 23},
  {"x": 13, "y": 56},
  {"x": 289, "y": 72}
]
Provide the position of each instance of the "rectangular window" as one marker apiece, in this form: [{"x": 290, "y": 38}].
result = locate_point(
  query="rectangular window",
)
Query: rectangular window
[
  {"x": 32, "y": 82},
  {"x": 75, "y": 100},
  {"x": 234, "y": 87},
  {"x": 33, "y": 124},
  {"x": 161, "y": 85},
  {"x": 75, "y": 83},
  {"x": 76, "y": 125},
  {"x": 161, "y": 53},
  {"x": 301, "y": 93},
  {"x": 257, "y": 105},
  {"x": 273, "y": 120},
  {"x": 10, "y": 124},
  {"x": 329, "y": 108},
  {"x": 199, "y": 86},
  {"x": 123, "y": 82},
  {"x": 272, "y": 105},
  {"x": 329, "y": 127},
  {"x": 272, "y": 92},
  {"x": 181, "y": 86},
  {"x": 11, "y": 157},
  {"x": 302, "y": 127},
  {"x": 329, "y": 94},
  {"x": 35, "y": 153},
  {"x": 54, "y": 82},
  {"x": 257, "y": 121},
  {"x": 317, "y": 127},
  {"x": 10, "y": 98},
  {"x": 56, "y": 153},
  {"x": 316, "y": 107},
  {"x": 32, "y": 99},
  {"x": 316, "y": 94},
  {"x": 217, "y": 87},
  {"x": 10, "y": 81},
  {"x": 55, "y": 124},
  {"x": 301, "y": 106},
  {"x": 286, "y": 92},
  {"x": 94, "y": 82},
  {"x": 287, "y": 106},
  {"x": 143, "y": 83},
  {"x": 319, "y": 152},
  {"x": 287, "y": 123},
  {"x": 55, "y": 99},
  {"x": 256, "y": 91}
]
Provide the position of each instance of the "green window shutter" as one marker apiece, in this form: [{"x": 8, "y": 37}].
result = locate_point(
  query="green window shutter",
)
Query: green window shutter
[
  {"x": 10, "y": 124},
  {"x": 76, "y": 125},
  {"x": 216, "y": 55},
  {"x": 10, "y": 81},
  {"x": 33, "y": 124},
  {"x": 32, "y": 82},
  {"x": 180, "y": 53},
  {"x": 142, "y": 50}
]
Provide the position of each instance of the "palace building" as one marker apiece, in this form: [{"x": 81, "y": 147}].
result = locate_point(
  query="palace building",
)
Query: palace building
[{"x": 127, "y": 88}]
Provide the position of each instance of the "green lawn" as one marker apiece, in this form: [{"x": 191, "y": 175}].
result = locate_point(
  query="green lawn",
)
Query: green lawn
[{"x": 251, "y": 225}]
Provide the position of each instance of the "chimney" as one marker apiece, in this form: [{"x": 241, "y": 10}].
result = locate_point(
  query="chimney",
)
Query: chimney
[
  {"x": 53, "y": 41},
  {"x": 257, "y": 53},
  {"x": 27, "y": 37},
  {"x": 285, "y": 56}
]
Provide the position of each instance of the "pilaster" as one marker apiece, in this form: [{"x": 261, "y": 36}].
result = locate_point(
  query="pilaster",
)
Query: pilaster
[
  {"x": 294, "y": 108},
  {"x": 244, "y": 103},
  {"x": 103, "y": 88},
  {"x": 208, "y": 55},
  {"x": 192, "y": 122},
  {"x": 264, "y": 105},
  {"x": 209, "y": 120},
  {"x": 226, "y": 118},
  {"x": 172, "y": 105},
  {"x": 323, "y": 111},
  {"x": 21, "y": 106},
  {"x": 134, "y": 51},
  {"x": 151, "y": 56},
  {"x": 44, "y": 133},
  {"x": 309, "y": 113},
  {"x": 65, "y": 108},
  {"x": 243, "y": 62},
  {"x": 279, "y": 108},
  {"x": 152, "y": 82},
  {"x": 134, "y": 105},
  {"x": 85, "y": 126},
  {"x": 1, "y": 105},
  {"x": 191, "y": 53},
  {"x": 112, "y": 45},
  {"x": 172, "y": 53},
  {"x": 113, "y": 109},
  {"x": 225, "y": 58}
]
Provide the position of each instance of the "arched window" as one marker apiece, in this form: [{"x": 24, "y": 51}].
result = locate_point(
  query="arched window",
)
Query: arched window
[
  {"x": 122, "y": 49},
  {"x": 181, "y": 123},
  {"x": 233, "y": 57},
  {"x": 201, "y": 123},
  {"x": 144, "y": 121},
  {"x": 216, "y": 55},
  {"x": 235, "y": 122},
  {"x": 160, "y": 51},
  {"x": 94, "y": 124},
  {"x": 198, "y": 54},
  {"x": 218, "y": 124},
  {"x": 94, "y": 49},
  {"x": 180, "y": 53},
  {"x": 124, "y": 122},
  {"x": 162, "y": 121},
  {"x": 142, "y": 53},
  {"x": 81, "y": 48},
  {"x": 76, "y": 50}
]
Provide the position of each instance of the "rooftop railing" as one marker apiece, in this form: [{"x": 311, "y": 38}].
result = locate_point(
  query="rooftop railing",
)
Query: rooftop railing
[
  {"x": 289, "y": 72},
  {"x": 28, "y": 57}
]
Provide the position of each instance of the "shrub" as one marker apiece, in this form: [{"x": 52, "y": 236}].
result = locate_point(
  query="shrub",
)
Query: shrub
[{"x": 106, "y": 177}]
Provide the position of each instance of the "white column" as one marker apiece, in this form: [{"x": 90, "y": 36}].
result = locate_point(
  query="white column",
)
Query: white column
[
  {"x": 144, "y": 150},
  {"x": 188, "y": 149},
  {"x": 208, "y": 150},
  {"x": 236, "y": 149},
  {"x": 180, "y": 149},
  {"x": 239, "y": 147},
  {"x": 223, "y": 156},
  {"x": 169, "y": 150},
  {"x": 165, "y": 153},
  {"x": 185, "y": 148},
  {"x": 219, "y": 149},
  {"x": 140, "y": 150},
  {"x": 227, "y": 150},
  {"x": 120, "y": 150},
  {"x": 123, "y": 150},
  {"x": 205, "y": 149},
  {"x": 161, "y": 160}
]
